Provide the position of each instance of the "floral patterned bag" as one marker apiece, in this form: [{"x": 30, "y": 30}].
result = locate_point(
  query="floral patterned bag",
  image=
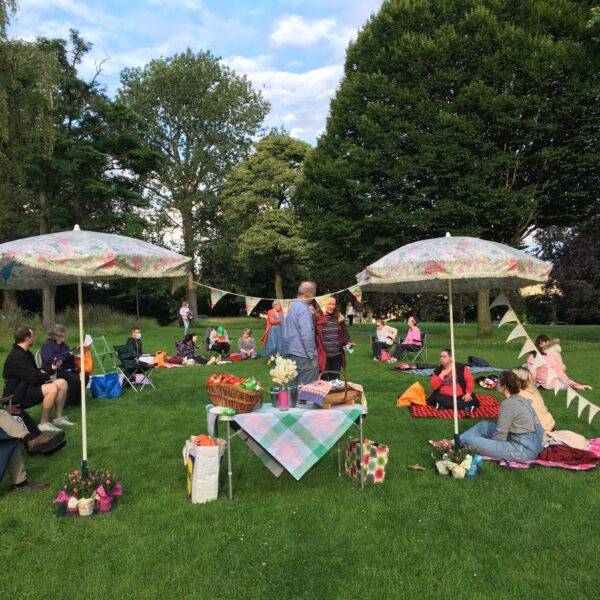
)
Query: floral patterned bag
[{"x": 373, "y": 458}]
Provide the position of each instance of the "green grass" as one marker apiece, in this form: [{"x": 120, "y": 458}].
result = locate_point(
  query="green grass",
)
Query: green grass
[{"x": 503, "y": 535}]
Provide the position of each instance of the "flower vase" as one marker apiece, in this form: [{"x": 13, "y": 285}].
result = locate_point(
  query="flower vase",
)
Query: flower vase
[
  {"x": 86, "y": 507},
  {"x": 283, "y": 398},
  {"x": 104, "y": 504}
]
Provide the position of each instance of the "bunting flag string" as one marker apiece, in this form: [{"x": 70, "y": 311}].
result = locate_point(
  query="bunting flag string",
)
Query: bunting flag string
[
  {"x": 539, "y": 361},
  {"x": 252, "y": 301}
]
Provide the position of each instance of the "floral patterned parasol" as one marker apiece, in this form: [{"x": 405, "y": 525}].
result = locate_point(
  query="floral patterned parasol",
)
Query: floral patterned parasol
[
  {"x": 471, "y": 263},
  {"x": 62, "y": 258}
]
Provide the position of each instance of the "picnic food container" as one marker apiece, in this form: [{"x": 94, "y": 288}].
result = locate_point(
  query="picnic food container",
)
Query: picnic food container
[
  {"x": 233, "y": 396},
  {"x": 344, "y": 396}
]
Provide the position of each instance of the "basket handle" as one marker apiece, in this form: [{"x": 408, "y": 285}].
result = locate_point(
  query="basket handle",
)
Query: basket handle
[{"x": 343, "y": 374}]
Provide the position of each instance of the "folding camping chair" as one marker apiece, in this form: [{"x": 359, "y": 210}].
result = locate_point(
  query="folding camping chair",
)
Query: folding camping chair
[
  {"x": 134, "y": 371},
  {"x": 100, "y": 351},
  {"x": 411, "y": 356}
]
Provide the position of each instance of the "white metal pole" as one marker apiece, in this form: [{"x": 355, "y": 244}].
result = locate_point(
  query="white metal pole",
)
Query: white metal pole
[
  {"x": 84, "y": 463},
  {"x": 454, "y": 400}
]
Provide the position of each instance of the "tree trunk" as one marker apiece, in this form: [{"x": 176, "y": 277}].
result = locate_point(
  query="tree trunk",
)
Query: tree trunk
[
  {"x": 278, "y": 286},
  {"x": 188, "y": 245},
  {"x": 484, "y": 319},
  {"x": 48, "y": 292},
  {"x": 9, "y": 302}
]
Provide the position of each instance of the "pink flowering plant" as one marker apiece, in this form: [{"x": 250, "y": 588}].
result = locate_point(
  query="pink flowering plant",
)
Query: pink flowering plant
[
  {"x": 74, "y": 485},
  {"x": 108, "y": 480}
]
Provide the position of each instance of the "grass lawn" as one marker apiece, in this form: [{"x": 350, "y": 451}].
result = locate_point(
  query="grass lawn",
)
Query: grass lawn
[{"x": 507, "y": 534}]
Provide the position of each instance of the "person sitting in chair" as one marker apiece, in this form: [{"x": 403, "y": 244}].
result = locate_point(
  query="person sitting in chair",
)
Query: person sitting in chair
[
  {"x": 441, "y": 384},
  {"x": 135, "y": 341},
  {"x": 384, "y": 338},
  {"x": 55, "y": 352},
  {"x": 247, "y": 345},
  {"x": 186, "y": 349},
  {"x": 412, "y": 342},
  {"x": 219, "y": 340},
  {"x": 31, "y": 386}
]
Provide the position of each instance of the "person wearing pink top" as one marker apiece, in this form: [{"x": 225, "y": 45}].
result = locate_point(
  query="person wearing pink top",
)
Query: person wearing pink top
[
  {"x": 412, "y": 342},
  {"x": 551, "y": 361}
]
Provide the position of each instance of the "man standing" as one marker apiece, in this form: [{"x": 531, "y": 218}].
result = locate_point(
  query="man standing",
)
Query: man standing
[
  {"x": 31, "y": 386},
  {"x": 299, "y": 335}
]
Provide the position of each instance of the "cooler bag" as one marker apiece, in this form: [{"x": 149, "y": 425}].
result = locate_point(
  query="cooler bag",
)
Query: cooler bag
[{"x": 373, "y": 458}]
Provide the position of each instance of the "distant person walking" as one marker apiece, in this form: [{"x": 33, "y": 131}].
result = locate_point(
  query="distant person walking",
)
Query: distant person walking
[
  {"x": 299, "y": 335},
  {"x": 359, "y": 309},
  {"x": 186, "y": 316},
  {"x": 350, "y": 313}
]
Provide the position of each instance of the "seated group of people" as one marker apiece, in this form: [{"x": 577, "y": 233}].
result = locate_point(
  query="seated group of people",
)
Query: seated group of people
[
  {"x": 53, "y": 386},
  {"x": 386, "y": 335},
  {"x": 524, "y": 422},
  {"x": 217, "y": 342}
]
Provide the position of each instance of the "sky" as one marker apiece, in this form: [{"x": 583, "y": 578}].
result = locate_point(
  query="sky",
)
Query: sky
[{"x": 292, "y": 50}]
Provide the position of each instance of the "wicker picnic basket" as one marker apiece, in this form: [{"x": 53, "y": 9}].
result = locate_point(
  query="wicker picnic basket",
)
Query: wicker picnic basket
[
  {"x": 345, "y": 396},
  {"x": 233, "y": 396}
]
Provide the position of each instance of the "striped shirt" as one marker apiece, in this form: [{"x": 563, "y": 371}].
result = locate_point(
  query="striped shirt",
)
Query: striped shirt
[{"x": 331, "y": 337}]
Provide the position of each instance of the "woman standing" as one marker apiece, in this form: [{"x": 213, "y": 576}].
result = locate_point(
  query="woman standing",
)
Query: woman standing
[
  {"x": 517, "y": 435},
  {"x": 350, "y": 313},
  {"x": 331, "y": 337},
  {"x": 186, "y": 316},
  {"x": 272, "y": 337}
]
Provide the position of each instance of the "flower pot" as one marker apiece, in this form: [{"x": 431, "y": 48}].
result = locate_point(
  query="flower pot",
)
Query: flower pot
[
  {"x": 283, "y": 399},
  {"x": 86, "y": 507},
  {"x": 104, "y": 504}
]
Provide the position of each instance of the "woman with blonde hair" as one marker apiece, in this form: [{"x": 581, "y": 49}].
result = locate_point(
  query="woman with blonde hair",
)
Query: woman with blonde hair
[{"x": 531, "y": 393}]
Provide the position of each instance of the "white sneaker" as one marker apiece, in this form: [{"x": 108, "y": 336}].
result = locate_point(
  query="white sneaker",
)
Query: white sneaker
[
  {"x": 48, "y": 427},
  {"x": 63, "y": 421}
]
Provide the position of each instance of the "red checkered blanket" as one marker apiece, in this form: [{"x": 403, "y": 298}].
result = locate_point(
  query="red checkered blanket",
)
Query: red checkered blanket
[{"x": 488, "y": 409}]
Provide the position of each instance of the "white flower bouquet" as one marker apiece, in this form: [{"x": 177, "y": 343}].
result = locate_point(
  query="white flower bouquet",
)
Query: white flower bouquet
[{"x": 285, "y": 370}]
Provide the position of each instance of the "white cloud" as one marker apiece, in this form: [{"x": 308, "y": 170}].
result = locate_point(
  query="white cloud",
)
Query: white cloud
[
  {"x": 300, "y": 101},
  {"x": 298, "y": 31}
]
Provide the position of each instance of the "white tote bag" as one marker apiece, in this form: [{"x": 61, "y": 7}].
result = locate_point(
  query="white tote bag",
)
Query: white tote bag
[{"x": 202, "y": 463}]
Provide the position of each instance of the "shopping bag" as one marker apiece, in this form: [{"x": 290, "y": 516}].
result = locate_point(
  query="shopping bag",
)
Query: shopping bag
[
  {"x": 415, "y": 394},
  {"x": 105, "y": 386},
  {"x": 159, "y": 359},
  {"x": 372, "y": 458},
  {"x": 202, "y": 464},
  {"x": 385, "y": 355}
]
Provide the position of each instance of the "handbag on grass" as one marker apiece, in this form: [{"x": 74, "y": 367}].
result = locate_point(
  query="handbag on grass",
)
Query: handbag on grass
[
  {"x": 105, "y": 386},
  {"x": 372, "y": 458}
]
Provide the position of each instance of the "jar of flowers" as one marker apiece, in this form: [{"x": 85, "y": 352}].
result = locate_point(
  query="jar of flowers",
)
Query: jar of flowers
[{"x": 285, "y": 370}]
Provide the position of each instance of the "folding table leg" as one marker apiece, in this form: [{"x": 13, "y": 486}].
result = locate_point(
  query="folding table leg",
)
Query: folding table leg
[
  {"x": 229, "y": 469},
  {"x": 362, "y": 479},
  {"x": 339, "y": 459}
]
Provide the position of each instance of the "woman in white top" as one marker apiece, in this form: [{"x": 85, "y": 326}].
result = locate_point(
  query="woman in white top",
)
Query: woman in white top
[
  {"x": 186, "y": 316},
  {"x": 350, "y": 313}
]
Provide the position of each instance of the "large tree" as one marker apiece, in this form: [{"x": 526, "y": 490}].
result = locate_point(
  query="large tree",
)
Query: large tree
[
  {"x": 261, "y": 228},
  {"x": 201, "y": 116},
  {"x": 478, "y": 117}
]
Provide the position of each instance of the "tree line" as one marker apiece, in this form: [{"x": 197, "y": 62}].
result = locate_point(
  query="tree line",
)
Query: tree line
[{"x": 476, "y": 117}]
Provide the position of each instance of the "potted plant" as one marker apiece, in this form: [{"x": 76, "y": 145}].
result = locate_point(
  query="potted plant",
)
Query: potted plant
[
  {"x": 460, "y": 463},
  {"x": 78, "y": 493},
  {"x": 285, "y": 370},
  {"x": 108, "y": 487}
]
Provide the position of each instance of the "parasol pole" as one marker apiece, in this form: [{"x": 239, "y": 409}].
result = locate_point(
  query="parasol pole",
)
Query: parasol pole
[
  {"x": 84, "y": 462},
  {"x": 454, "y": 400}
]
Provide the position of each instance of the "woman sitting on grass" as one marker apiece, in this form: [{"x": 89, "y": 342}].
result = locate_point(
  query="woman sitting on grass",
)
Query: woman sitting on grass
[
  {"x": 441, "y": 384},
  {"x": 186, "y": 349},
  {"x": 247, "y": 345},
  {"x": 552, "y": 361},
  {"x": 517, "y": 435}
]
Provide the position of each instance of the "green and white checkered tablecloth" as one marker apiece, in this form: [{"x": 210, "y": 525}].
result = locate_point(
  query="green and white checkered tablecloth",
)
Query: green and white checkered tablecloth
[{"x": 300, "y": 437}]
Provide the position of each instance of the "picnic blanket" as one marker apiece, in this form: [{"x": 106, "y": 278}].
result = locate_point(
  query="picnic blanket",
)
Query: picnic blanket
[
  {"x": 429, "y": 372},
  {"x": 488, "y": 409},
  {"x": 594, "y": 449},
  {"x": 298, "y": 438}
]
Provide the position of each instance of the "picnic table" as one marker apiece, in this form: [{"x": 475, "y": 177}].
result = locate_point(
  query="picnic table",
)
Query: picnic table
[{"x": 293, "y": 440}]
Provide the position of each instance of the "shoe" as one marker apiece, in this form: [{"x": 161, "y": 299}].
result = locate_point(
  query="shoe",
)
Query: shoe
[
  {"x": 393, "y": 360},
  {"x": 63, "y": 421},
  {"x": 48, "y": 427},
  {"x": 28, "y": 485},
  {"x": 375, "y": 358},
  {"x": 44, "y": 444}
]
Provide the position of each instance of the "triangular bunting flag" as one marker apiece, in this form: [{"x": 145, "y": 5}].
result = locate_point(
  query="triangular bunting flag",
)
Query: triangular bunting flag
[
  {"x": 215, "y": 296},
  {"x": 323, "y": 300},
  {"x": 356, "y": 292},
  {"x": 582, "y": 403},
  {"x": 176, "y": 283},
  {"x": 593, "y": 411},
  {"x": 517, "y": 332},
  {"x": 539, "y": 360},
  {"x": 509, "y": 317},
  {"x": 500, "y": 300},
  {"x": 251, "y": 302},
  {"x": 558, "y": 388},
  {"x": 551, "y": 374},
  {"x": 571, "y": 393},
  {"x": 528, "y": 346},
  {"x": 285, "y": 306}
]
